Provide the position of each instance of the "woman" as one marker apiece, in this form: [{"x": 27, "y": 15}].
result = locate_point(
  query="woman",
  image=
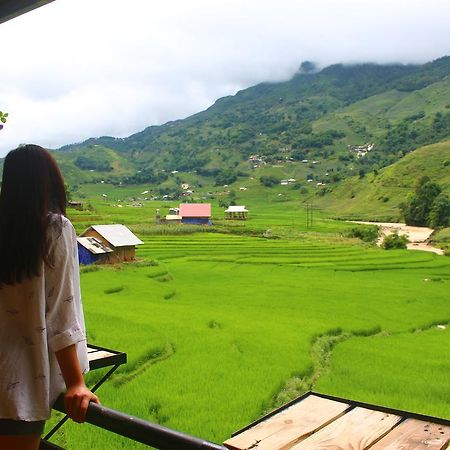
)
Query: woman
[{"x": 42, "y": 334}]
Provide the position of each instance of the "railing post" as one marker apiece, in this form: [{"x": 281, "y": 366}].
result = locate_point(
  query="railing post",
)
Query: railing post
[{"x": 140, "y": 430}]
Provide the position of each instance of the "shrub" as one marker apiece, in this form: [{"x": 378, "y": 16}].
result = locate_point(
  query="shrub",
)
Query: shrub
[
  {"x": 148, "y": 263},
  {"x": 169, "y": 295},
  {"x": 366, "y": 234},
  {"x": 87, "y": 269},
  {"x": 269, "y": 181},
  {"x": 114, "y": 290},
  {"x": 394, "y": 241}
]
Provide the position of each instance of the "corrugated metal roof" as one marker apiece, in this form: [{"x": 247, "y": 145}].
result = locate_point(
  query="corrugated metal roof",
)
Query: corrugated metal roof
[
  {"x": 235, "y": 208},
  {"x": 117, "y": 235},
  {"x": 93, "y": 245},
  {"x": 195, "y": 210}
]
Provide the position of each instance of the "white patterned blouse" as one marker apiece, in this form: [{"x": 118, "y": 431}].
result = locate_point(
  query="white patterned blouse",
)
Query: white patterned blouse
[{"x": 38, "y": 317}]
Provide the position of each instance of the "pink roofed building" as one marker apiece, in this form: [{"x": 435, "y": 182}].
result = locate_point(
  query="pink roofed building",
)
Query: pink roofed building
[{"x": 195, "y": 213}]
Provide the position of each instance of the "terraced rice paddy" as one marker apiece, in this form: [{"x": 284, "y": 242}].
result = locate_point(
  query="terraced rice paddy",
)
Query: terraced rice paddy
[
  {"x": 220, "y": 328},
  {"x": 242, "y": 250}
]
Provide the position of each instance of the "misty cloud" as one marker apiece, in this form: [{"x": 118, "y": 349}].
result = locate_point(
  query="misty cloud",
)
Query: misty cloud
[{"x": 80, "y": 68}]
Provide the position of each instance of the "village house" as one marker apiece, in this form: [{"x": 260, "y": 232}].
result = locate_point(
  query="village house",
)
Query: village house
[
  {"x": 172, "y": 218},
  {"x": 235, "y": 212},
  {"x": 117, "y": 238},
  {"x": 75, "y": 205},
  {"x": 360, "y": 150},
  {"x": 195, "y": 213},
  {"x": 257, "y": 160}
]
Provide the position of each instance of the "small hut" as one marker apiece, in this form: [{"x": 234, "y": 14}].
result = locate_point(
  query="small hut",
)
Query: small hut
[
  {"x": 195, "y": 213},
  {"x": 236, "y": 213},
  {"x": 118, "y": 238},
  {"x": 172, "y": 219},
  {"x": 91, "y": 250},
  {"x": 75, "y": 205}
]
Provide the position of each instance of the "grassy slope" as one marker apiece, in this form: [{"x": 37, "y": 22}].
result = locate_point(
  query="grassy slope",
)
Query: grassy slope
[
  {"x": 121, "y": 166},
  {"x": 215, "y": 329},
  {"x": 378, "y": 197}
]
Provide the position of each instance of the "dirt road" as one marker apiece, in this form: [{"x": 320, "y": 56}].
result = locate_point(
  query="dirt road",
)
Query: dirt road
[{"x": 417, "y": 236}]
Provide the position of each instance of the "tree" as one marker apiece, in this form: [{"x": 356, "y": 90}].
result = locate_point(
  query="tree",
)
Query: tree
[
  {"x": 417, "y": 209},
  {"x": 68, "y": 192},
  {"x": 394, "y": 241},
  {"x": 307, "y": 67},
  {"x": 440, "y": 211},
  {"x": 269, "y": 180},
  {"x": 232, "y": 197},
  {"x": 3, "y": 117},
  {"x": 225, "y": 176}
]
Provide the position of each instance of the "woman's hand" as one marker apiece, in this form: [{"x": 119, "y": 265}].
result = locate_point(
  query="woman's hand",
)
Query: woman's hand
[
  {"x": 78, "y": 396},
  {"x": 76, "y": 402}
]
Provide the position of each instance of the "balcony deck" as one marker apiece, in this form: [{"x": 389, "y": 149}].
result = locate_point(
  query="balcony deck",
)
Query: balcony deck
[{"x": 315, "y": 421}]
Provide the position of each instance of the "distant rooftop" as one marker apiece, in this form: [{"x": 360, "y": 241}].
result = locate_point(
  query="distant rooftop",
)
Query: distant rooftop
[
  {"x": 116, "y": 235},
  {"x": 236, "y": 208},
  {"x": 195, "y": 210}
]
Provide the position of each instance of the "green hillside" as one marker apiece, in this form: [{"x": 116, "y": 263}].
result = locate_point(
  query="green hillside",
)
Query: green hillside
[
  {"x": 379, "y": 196},
  {"x": 313, "y": 115},
  {"x": 308, "y": 129},
  {"x": 93, "y": 162}
]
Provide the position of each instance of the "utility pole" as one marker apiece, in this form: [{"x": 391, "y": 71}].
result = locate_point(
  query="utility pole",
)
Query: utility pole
[{"x": 309, "y": 215}]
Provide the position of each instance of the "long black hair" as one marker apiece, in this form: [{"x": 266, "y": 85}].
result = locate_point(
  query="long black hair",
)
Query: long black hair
[{"x": 32, "y": 189}]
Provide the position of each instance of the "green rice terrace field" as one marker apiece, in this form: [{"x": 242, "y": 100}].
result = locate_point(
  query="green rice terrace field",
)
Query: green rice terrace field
[{"x": 221, "y": 327}]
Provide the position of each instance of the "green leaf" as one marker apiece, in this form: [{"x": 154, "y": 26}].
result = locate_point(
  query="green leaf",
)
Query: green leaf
[
  {"x": 3, "y": 120},
  {"x": 5, "y": 115}
]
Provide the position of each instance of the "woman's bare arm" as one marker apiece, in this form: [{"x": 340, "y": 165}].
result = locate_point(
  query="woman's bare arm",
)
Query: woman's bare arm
[{"x": 78, "y": 396}]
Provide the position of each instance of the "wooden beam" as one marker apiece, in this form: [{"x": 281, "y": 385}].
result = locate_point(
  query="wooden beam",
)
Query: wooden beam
[
  {"x": 359, "y": 430},
  {"x": 290, "y": 426},
  {"x": 416, "y": 434},
  {"x": 14, "y": 8}
]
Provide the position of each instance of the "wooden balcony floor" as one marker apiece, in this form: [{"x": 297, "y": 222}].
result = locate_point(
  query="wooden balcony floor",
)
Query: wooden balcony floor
[{"x": 317, "y": 422}]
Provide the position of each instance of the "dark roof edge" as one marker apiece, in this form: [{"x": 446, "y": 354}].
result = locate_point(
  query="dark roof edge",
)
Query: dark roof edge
[
  {"x": 397, "y": 412},
  {"x": 9, "y": 9}
]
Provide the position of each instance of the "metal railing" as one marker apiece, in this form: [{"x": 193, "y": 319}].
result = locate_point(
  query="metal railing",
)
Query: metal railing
[{"x": 138, "y": 430}]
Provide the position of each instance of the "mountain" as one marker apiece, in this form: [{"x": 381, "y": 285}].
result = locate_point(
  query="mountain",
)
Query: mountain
[{"x": 324, "y": 126}]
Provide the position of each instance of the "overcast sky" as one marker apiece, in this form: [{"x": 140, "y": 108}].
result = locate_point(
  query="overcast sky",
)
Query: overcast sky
[{"x": 75, "y": 69}]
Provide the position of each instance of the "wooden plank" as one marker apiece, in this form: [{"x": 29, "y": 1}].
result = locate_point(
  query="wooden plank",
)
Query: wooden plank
[
  {"x": 289, "y": 426},
  {"x": 356, "y": 430},
  {"x": 99, "y": 355},
  {"x": 415, "y": 434}
]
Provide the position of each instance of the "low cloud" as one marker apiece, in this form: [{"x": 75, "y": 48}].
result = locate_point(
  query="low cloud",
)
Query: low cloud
[{"x": 80, "y": 68}]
